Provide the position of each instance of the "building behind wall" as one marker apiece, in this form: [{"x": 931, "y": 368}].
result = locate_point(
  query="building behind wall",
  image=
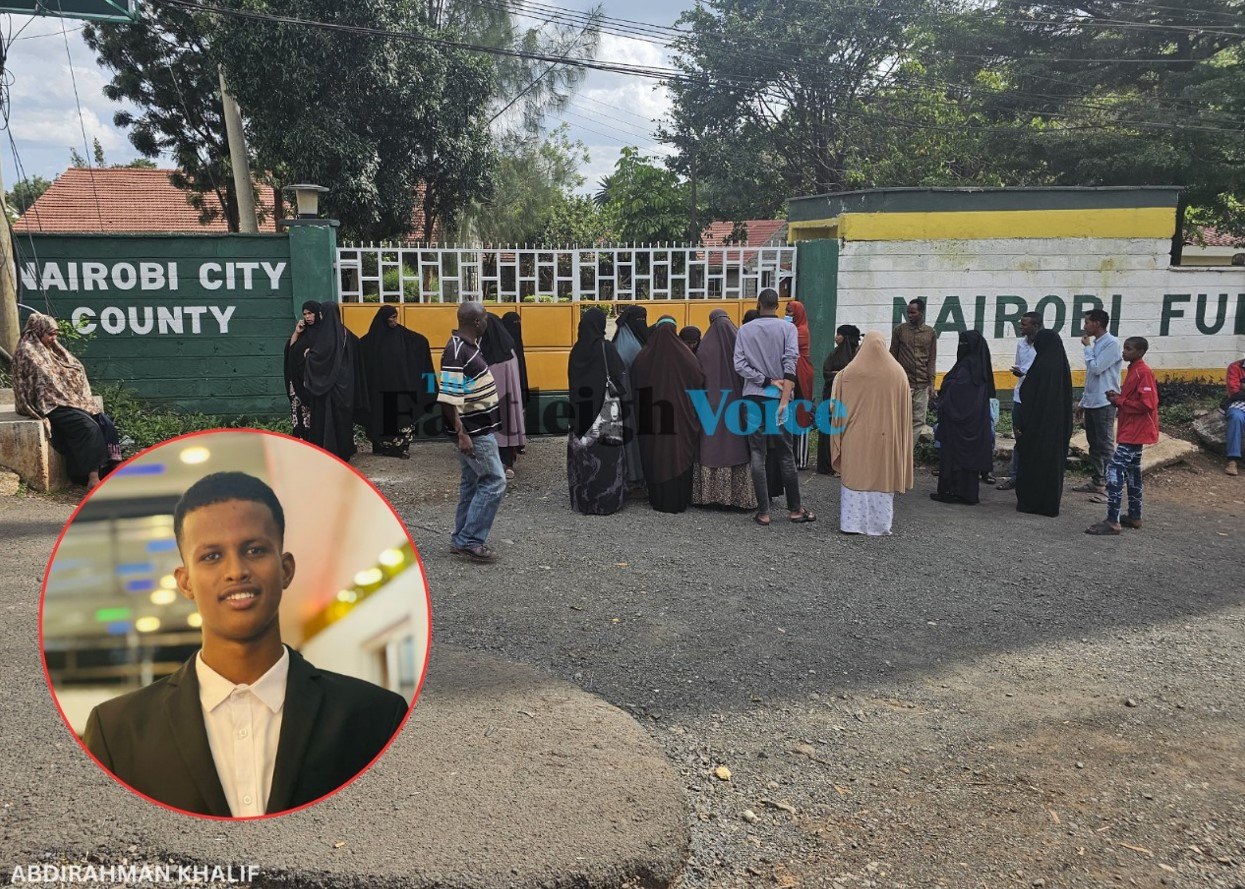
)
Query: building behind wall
[{"x": 980, "y": 258}]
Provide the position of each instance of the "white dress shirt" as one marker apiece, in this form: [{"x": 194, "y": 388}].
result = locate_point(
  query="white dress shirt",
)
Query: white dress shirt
[
  {"x": 1025, "y": 353},
  {"x": 243, "y": 725}
]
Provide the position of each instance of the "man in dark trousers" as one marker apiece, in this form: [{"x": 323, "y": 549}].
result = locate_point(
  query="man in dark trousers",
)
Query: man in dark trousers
[
  {"x": 246, "y": 727},
  {"x": 914, "y": 344},
  {"x": 766, "y": 351}
]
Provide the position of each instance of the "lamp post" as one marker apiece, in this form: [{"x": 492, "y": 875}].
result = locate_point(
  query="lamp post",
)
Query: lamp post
[{"x": 307, "y": 200}]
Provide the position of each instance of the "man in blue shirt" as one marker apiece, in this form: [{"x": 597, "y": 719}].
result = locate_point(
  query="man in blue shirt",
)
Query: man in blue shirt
[
  {"x": 766, "y": 351},
  {"x": 1104, "y": 361}
]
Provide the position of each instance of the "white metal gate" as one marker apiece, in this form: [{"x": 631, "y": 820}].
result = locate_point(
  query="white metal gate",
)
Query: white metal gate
[{"x": 398, "y": 274}]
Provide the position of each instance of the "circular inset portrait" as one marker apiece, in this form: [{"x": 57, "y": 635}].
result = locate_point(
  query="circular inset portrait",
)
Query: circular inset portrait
[{"x": 235, "y": 624}]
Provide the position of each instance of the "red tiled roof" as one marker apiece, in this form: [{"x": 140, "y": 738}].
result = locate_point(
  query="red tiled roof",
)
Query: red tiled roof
[
  {"x": 122, "y": 200},
  {"x": 759, "y": 232},
  {"x": 1211, "y": 237}
]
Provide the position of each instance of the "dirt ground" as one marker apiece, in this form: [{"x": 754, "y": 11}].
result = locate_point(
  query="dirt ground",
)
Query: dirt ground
[{"x": 985, "y": 699}]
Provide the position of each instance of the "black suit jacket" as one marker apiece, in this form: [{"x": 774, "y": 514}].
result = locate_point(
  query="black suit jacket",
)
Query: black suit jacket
[{"x": 155, "y": 741}]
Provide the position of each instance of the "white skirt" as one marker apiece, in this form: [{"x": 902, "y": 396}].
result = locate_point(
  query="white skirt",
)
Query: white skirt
[{"x": 866, "y": 512}]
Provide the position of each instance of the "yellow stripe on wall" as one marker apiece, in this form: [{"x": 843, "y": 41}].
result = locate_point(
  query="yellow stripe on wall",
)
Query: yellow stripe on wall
[{"x": 1141, "y": 222}]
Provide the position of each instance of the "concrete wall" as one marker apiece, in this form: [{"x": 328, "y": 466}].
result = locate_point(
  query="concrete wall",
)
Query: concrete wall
[{"x": 1194, "y": 318}]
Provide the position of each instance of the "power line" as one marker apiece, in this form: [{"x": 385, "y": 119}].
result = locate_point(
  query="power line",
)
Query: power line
[{"x": 665, "y": 74}]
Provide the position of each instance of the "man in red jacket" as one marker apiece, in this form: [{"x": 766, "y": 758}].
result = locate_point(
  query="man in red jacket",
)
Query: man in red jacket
[{"x": 1138, "y": 425}]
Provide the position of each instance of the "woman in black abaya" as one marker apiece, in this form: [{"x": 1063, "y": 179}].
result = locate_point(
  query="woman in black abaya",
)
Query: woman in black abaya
[
  {"x": 966, "y": 443},
  {"x": 669, "y": 430},
  {"x": 630, "y": 334},
  {"x": 595, "y": 470},
  {"x": 401, "y": 382},
  {"x": 295, "y": 365},
  {"x": 1045, "y": 427},
  {"x": 846, "y": 344},
  {"x": 330, "y": 377}
]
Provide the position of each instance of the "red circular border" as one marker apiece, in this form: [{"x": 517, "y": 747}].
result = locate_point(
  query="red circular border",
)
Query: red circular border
[{"x": 43, "y": 592}]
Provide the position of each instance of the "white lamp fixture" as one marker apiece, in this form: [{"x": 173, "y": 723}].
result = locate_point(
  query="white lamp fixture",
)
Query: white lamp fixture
[{"x": 307, "y": 198}]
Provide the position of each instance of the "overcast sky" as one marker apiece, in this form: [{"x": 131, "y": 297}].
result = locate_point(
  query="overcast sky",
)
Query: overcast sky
[{"x": 608, "y": 112}]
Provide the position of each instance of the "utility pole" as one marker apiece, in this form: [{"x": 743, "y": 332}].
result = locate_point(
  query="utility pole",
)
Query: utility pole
[
  {"x": 9, "y": 331},
  {"x": 695, "y": 235},
  {"x": 243, "y": 188}
]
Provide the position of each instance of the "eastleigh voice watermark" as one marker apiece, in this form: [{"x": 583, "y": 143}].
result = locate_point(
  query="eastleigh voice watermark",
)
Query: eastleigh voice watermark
[{"x": 132, "y": 874}]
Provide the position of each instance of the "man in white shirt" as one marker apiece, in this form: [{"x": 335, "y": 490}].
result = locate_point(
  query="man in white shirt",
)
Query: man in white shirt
[
  {"x": 246, "y": 727},
  {"x": 1030, "y": 324}
]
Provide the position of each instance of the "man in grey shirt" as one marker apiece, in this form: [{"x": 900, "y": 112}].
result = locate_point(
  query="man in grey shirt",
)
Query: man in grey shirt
[
  {"x": 766, "y": 351},
  {"x": 1104, "y": 361}
]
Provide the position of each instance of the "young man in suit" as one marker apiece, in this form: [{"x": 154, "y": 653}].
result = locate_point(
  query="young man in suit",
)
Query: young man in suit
[{"x": 246, "y": 727}]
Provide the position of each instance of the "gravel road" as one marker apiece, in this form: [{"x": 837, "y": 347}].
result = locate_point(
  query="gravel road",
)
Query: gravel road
[{"x": 984, "y": 699}]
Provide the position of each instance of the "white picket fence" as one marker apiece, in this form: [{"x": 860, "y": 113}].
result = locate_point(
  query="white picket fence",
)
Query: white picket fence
[{"x": 417, "y": 274}]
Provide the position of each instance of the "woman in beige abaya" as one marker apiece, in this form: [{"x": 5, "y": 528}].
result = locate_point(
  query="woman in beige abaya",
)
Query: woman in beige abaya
[{"x": 873, "y": 451}]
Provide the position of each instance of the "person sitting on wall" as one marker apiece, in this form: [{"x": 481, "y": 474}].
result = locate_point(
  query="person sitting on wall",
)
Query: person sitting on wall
[
  {"x": 246, "y": 727},
  {"x": 50, "y": 384},
  {"x": 1234, "y": 415}
]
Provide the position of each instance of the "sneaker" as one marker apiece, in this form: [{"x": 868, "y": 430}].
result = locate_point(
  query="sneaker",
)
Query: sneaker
[
  {"x": 1089, "y": 488},
  {"x": 1130, "y": 522},
  {"x": 509, "y": 473},
  {"x": 1231, "y": 469},
  {"x": 1009, "y": 485}
]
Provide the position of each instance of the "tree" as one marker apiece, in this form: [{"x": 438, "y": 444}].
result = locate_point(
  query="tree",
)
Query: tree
[
  {"x": 644, "y": 203},
  {"x": 774, "y": 94},
  {"x": 532, "y": 180},
  {"x": 372, "y": 118},
  {"x": 77, "y": 160},
  {"x": 574, "y": 220},
  {"x": 163, "y": 64},
  {"x": 1111, "y": 93},
  {"x": 25, "y": 192}
]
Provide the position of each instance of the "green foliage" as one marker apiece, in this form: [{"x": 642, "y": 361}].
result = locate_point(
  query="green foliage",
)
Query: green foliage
[
  {"x": 147, "y": 424},
  {"x": 574, "y": 220},
  {"x": 1182, "y": 401},
  {"x": 164, "y": 68},
  {"x": 533, "y": 182},
  {"x": 370, "y": 119},
  {"x": 644, "y": 203},
  {"x": 25, "y": 193}
]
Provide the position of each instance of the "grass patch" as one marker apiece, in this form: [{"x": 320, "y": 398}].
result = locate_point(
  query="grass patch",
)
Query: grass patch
[{"x": 142, "y": 424}]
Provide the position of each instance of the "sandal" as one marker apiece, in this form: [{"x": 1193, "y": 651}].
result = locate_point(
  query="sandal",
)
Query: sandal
[
  {"x": 803, "y": 518},
  {"x": 1097, "y": 498},
  {"x": 1102, "y": 529},
  {"x": 757, "y": 517}
]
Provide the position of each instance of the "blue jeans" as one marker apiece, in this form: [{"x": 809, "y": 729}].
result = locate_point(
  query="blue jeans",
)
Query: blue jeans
[
  {"x": 1235, "y": 421},
  {"x": 480, "y": 489},
  {"x": 1125, "y": 466},
  {"x": 1016, "y": 412}
]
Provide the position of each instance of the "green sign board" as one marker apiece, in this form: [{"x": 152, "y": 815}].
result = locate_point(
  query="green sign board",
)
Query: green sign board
[
  {"x": 196, "y": 322},
  {"x": 97, "y": 10}
]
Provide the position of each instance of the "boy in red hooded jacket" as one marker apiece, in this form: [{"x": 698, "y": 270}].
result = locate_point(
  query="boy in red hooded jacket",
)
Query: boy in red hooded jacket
[{"x": 1138, "y": 425}]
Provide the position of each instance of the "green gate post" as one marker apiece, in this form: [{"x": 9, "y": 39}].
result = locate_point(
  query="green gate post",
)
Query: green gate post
[
  {"x": 817, "y": 286},
  {"x": 313, "y": 263}
]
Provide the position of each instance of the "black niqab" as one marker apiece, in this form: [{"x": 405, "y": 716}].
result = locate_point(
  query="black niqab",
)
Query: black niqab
[
  {"x": 514, "y": 326},
  {"x": 590, "y": 357},
  {"x": 398, "y": 362},
  {"x": 1045, "y": 427},
  {"x": 635, "y": 319},
  {"x": 496, "y": 344},
  {"x": 964, "y": 431},
  {"x": 326, "y": 350}
]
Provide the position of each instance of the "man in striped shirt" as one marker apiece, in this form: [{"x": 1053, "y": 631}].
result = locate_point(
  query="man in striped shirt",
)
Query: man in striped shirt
[{"x": 469, "y": 402}]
